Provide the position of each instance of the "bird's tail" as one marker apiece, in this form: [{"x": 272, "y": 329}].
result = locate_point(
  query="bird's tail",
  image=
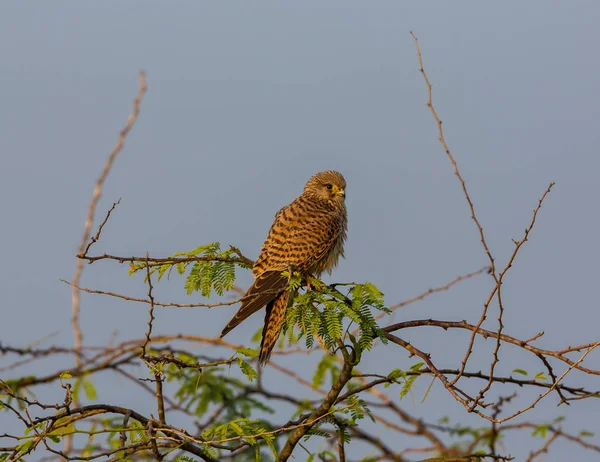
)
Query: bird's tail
[
  {"x": 274, "y": 319},
  {"x": 263, "y": 291}
]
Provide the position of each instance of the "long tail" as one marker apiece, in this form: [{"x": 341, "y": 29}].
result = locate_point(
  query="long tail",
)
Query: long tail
[
  {"x": 274, "y": 319},
  {"x": 265, "y": 289}
]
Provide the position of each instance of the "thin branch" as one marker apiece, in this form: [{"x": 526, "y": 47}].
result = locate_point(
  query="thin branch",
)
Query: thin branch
[
  {"x": 560, "y": 354},
  {"x": 518, "y": 246},
  {"x": 438, "y": 289},
  {"x": 83, "y": 246},
  {"x": 92, "y": 211},
  {"x": 467, "y": 197},
  {"x": 320, "y": 412}
]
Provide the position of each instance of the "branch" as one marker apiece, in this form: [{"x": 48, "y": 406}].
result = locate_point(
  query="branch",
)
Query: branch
[
  {"x": 92, "y": 209},
  {"x": 323, "y": 409}
]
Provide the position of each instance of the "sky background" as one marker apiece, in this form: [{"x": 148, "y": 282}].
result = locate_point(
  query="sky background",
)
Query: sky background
[{"x": 246, "y": 100}]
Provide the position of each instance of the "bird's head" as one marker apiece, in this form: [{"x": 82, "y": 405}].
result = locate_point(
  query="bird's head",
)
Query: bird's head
[{"x": 329, "y": 185}]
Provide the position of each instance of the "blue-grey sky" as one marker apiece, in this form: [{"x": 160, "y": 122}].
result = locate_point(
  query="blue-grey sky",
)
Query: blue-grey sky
[{"x": 246, "y": 100}]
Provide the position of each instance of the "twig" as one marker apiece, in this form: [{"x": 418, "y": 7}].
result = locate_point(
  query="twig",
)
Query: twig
[
  {"x": 560, "y": 354},
  {"x": 437, "y": 289},
  {"x": 518, "y": 246},
  {"x": 95, "y": 238},
  {"x": 554, "y": 385},
  {"x": 240, "y": 259},
  {"x": 451, "y": 157},
  {"x": 92, "y": 211},
  {"x": 90, "y": 220},
  {"x": 151, "y": 310},
  {"x": 467, "y": 197}
]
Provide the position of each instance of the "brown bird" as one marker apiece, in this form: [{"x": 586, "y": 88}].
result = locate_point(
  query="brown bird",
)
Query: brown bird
[{"x": 307, "y": 236}]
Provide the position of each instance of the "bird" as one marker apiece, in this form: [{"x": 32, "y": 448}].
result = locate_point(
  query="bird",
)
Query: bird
[{"x": 307, "y": 236}]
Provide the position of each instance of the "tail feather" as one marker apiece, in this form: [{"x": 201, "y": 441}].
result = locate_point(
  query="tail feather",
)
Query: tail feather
[
  {"x": 265, "y": 289},
  {"x": 274, "y": 319}
]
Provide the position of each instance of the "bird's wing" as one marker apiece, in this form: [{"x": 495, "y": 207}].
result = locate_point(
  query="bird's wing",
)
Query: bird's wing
[
  {"x": 272, "y": 243},
  {"x": 266, "y": 288},
  {"x": 303, "y": 233}
]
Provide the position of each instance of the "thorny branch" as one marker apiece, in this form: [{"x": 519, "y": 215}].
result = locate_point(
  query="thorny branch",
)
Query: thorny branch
[
  {"x": 498, "y": 278},
  {"x": 84, "y": 246}
]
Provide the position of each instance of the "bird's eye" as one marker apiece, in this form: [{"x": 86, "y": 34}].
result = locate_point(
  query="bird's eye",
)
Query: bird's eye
[{"x": 330, "y": 187}]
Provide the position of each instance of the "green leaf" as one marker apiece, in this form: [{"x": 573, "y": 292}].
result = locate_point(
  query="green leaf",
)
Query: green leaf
[
  {"x": 408, "y": 385},
  {"x": 327, "y": 363},
  {"x": 65, "y": 430},
  {"x": 270, "y": 440},
  {"x": 417, "y": 366},
  {"x": 396, "y": 374},
  {"x": 248, "y": 352},
  {"x": 247, "y": 369},
  {"x": 520, "y": 371},
  {"x": 540, "y": 376},
  {"x": 257, "y": 336},
  {"x": 586, "y": 433},
  {"x": 24, "y": 446},
  {"x": 237, "y": 429},
  {"x": 66, "y": 375},
  {"x": 541, "y": 430},
  {"x": 357, "y": 348},
  {"x": 89, "y": 390},
  {"x": 206, "y": 275}
]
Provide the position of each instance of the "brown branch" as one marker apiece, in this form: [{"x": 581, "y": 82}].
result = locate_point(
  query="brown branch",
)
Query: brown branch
[
  {"x": 451, "y": 157},
  {"x": 158, "y": 378},
  {"x": 97, "y": 409},
  {"x": 156, "y": 303},
  {"x": 437, "y": 289},
  {"x": 340, "y": 446},
  {"x": 168, "y": 260},
  {"x": 382, "y": 379},
  {"x": 454, "y": 391},
  {"x": 543, "y": 449},
  {"x": 75, "y": 300},
  {"x": 554, "y": 385},
  {"x": 322, "y": 410},
  {"x": 92, "y": 209},
  {"x": 511, "y": 260},
  {"x": 151, "y": 310},
  {"x": 96, "y": 238},
  {"x": 469, "y": 458},
  {"x": 467, "y": 197},
  {"x": 560, "y": 354}
]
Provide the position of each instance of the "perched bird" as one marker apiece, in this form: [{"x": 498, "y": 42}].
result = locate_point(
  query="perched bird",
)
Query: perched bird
[{"x": 307, "y": 236}]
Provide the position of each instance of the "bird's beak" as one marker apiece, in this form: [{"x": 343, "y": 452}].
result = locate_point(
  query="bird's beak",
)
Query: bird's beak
[{"x": 342, "y": 193}]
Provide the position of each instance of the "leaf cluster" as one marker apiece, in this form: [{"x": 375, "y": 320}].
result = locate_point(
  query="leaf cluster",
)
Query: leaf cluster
[
  {"x": 214, "y": 272},
  {"x": 323, "y": 313}
]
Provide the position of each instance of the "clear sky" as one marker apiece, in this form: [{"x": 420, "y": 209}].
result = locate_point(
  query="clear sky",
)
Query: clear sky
[{"x": 246, "y": 100}]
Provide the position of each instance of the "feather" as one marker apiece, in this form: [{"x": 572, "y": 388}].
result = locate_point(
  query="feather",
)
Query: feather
[
  {"x": 274, "y": 319},
  {"x": 265, "y": 289}
]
